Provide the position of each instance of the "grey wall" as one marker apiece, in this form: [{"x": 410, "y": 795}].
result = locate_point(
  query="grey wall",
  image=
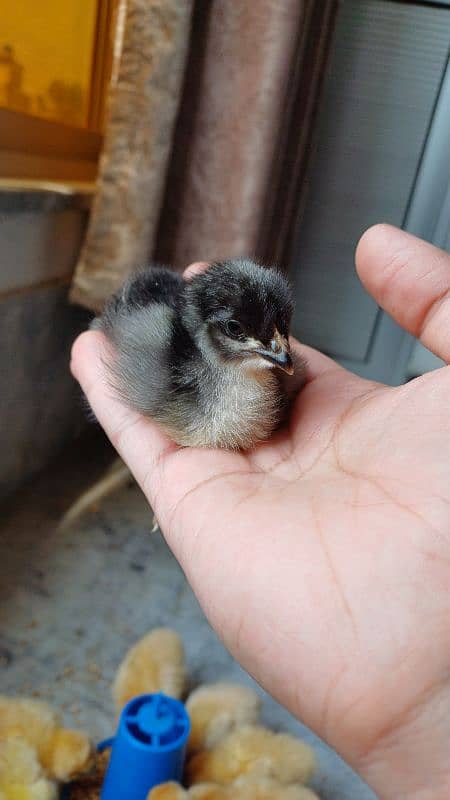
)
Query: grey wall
[{"x": 40, "y": 404}]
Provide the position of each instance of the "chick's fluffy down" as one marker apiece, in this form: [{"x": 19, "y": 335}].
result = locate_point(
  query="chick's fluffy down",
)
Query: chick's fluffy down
[
  {"x": 21, "y": 775},
  {"x": 168, "y": 791},
  {"x": 68, "y": 754},
  {"x": 254, "y": 751},
  {"x": 62, "y": 752},
  {"x": 31, "y": 720},
  {"x": 262, "y": 789},
  {"x": 217, "y": 710},
  {"x": 154, "y": 664}
]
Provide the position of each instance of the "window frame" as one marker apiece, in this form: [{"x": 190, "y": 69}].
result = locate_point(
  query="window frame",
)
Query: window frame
[
  {"x": 38, "y": 148},
  {"x": 35, "y": 148},
  {"x": 102, "y": 62}
]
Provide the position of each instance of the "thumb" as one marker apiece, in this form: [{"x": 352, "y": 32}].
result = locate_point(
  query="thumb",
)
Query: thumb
[{"x": 410, "y": 279}]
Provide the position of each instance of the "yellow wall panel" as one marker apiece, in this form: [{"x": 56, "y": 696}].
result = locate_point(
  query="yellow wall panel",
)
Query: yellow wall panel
[{"x": 46, "y": 52}]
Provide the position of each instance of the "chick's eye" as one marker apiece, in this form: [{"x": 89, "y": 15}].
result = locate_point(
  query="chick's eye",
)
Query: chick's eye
[{"x": 234, "y": 328}]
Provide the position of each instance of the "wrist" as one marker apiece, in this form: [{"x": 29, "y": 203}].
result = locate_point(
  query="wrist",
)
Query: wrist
[{"x": 411, "y": 759}]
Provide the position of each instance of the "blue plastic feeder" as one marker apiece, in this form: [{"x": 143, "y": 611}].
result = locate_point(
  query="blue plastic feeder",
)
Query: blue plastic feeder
[{"x": 149, "y": 747}]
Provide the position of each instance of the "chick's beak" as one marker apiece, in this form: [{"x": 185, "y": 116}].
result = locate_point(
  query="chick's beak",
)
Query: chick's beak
[{"x": 278, "y": 353}]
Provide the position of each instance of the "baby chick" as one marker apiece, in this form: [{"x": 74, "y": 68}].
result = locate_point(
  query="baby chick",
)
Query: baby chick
[
  {"x": 218, "y": 709},
  {"x": 154, "y": 664},
  {"x": 261, "y": 789},
  {"x": 21, "y": 775},
  {"x": 168, "y": 791},
  {"x": 204, "y": 358},
  {"x": 62, "y": 752},
  {"x": 68, "y": 754},
  {"x": 256, "y": 789},
  {"x": 255, "y": 752},
  {"x": 28, "y": 719}
]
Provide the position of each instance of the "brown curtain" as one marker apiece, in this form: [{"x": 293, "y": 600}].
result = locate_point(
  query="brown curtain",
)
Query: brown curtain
[
  {"x": 245, "y": 132},
  {"x": 143, "y": 105},
  {"x": 241, "y": 147}
]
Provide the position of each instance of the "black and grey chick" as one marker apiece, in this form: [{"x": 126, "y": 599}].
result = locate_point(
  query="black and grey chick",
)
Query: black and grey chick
[{"x": 204, "y": 358}]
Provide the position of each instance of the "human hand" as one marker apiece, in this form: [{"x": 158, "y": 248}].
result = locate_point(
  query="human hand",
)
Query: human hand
[{"x": 322, "y": 558}]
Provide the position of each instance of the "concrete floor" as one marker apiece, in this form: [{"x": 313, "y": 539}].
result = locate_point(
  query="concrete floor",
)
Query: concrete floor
[{"x": 72, "y": 603}]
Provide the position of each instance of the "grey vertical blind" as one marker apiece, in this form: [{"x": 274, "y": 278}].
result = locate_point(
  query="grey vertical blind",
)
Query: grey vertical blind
[{"x": 384, "y": 77}]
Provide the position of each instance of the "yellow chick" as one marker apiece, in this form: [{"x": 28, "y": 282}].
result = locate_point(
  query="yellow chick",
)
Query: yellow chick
[
  {"x": 154, "y": 664},
  {"x": 62, "y": 752},
  {"x": 69, "y": 753},
  {"x": 217, "y": 710},
  {"x": 262, "y": 789},
  {"x": 167, "y": 791},
  {"x": 204, "y": 791},
  {"x": 21, "y": 775},
  {"x": 32, "y": 720},
  {"x": 255, "y": 751},
  {"x": 210, "y": 791}
]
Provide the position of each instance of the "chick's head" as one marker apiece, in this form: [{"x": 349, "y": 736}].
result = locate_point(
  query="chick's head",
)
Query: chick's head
[
  {"x": 167, "y": 791},
  {"x": 68, "y": 754},
  {"x": 154, "y": 664},
  {"x": 240, "y": 312},
  {"x": 218, "y": 709}
]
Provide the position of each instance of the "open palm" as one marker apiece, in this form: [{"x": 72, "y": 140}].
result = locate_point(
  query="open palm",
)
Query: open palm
[{"x": 322, "y": 558}]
